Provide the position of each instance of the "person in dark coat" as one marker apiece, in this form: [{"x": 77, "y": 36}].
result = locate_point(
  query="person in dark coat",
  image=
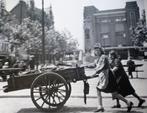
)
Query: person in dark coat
[
  {"x": 131, "y": 66},
  {"x": 32, "y": 63},
  {"x": 105, "y": 80},
  {"x": 1, "y": 73},
  {"x": 124, "y": 86}
]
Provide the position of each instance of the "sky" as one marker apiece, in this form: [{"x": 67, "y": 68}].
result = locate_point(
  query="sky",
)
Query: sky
[{"x": 68, "y": 14}]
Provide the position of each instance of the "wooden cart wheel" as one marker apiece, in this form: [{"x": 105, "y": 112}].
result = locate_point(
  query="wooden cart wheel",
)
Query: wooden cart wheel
[
  {"x": 69, "y": 89},
  {"x": 49, "y": 91}
]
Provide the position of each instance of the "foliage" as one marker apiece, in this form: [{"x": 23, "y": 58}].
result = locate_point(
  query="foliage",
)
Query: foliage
[
  {"x": 139, "y": 34},
  {"x": 18, "y": 35},
  {"x": 59, "y": 43},
  {"x": 27, "y": 36}
]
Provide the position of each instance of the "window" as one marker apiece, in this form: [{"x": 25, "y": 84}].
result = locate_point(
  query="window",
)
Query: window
[
  {"x": 119, "y": 27},
  {"x": 104, "y": 28},
  {"x": 120, "y": 34},
  {"x": 104, "y": 35},
  {"x": 105, "y": 20},
  {"x": 118, "y": 19},
  {"x": 123, "y": 19}
]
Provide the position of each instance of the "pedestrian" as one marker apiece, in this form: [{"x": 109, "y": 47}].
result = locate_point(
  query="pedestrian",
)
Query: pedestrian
[
  {"x": 32, "y": 63},
  {"x": 124, "y": 86},
  {"x": 1, "y": 73},
  {"x": 106, "y": 81},
  {"x": 1, "y": 63},
  {"x": 131, "y": 66},
  {"x": 22, "y": 65},
  {"x": 4, "y": 75},
  {"x": 16, "y": 64}
]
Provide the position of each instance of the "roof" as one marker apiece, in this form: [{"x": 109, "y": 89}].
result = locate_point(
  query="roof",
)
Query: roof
[
  {"x": 110, "y": 12},
  {"x": 89, "y": 11},
  {"x": 17, "y": 5}
]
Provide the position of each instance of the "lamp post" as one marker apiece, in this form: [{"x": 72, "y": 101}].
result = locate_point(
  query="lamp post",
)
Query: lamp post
[
  {"x": 21, "y": 3},
  {"x": 43, "y": 35}
]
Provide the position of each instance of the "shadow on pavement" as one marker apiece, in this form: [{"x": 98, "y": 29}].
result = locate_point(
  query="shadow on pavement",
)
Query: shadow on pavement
[
  {"x": 122, "y": 111},
  {"x": 66, "y": 109},
  {"x": 30, "y": 110},
  {"x": 138, "y": 78}
]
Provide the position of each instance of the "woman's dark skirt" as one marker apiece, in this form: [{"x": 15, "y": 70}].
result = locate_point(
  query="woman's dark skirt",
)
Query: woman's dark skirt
[{"x": 112, "y": 85}]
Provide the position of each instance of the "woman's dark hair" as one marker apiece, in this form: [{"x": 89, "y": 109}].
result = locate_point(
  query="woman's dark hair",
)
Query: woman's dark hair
[{"x": 113, "y": 53}]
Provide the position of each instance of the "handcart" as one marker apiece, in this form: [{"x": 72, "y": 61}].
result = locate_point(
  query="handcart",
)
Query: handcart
[{"x": 49, "y": 89}]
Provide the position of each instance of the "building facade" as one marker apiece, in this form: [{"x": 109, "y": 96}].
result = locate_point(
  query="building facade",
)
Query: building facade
[
  {"x": 24, "y": 10},
  {"x": 145, "y": 6},
  {"x": 110, "y": 28}
]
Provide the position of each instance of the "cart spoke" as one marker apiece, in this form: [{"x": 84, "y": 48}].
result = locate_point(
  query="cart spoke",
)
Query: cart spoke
[
  {"x": 44, "y": 94},
  {"x": 46, "y": 98},
  {"x": 49, "y": 98},
  {"x": 38, "y": 99},
  {"x": 54, "y": 101},
  {"x": 60, "y": 85},
  {"x": 61, "y": 94},
  {"x": 42, "y": 104},
  {"x": 59, "y": 98},
  {"x": 62, "y": 90}
]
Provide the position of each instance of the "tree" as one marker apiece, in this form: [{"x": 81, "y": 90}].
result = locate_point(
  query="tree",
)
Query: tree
[
  {"x": 57, "y": 44},
  {"x": 27, "y": 36},
  {"x": 139, "y": 33}
]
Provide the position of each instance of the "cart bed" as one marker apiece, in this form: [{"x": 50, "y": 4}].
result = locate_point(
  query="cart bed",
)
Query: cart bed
[{"x": 25, "y": 81}]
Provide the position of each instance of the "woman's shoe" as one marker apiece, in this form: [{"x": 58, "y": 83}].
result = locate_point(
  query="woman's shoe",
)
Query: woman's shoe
[
  {"x": 116, "y": 106},
  {"x": 99, "y": 110},
  {"x": 130, "y": 107},
  {"x": 141, "y": 102}
]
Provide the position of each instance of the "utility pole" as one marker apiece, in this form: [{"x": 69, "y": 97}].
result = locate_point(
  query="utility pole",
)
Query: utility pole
[
  {"x": 21, "y": 3},
  {"x": 43, "y": 35}
]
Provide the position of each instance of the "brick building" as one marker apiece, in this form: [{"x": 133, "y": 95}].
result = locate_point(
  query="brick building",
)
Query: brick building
[{"x": 110, "y": 27}]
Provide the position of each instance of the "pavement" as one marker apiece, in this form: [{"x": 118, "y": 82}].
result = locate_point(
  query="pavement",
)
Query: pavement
[{"x": 20, "y": 102}]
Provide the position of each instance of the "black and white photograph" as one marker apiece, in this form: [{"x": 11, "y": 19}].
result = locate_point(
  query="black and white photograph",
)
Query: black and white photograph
[{"x": 73, "y": 56}]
